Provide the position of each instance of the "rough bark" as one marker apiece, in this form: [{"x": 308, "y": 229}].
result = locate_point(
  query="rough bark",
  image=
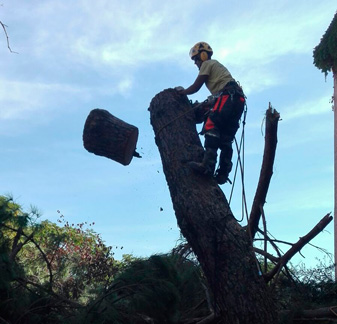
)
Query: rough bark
[
  {"x": 334, "y": 71},
  {"x": 106, "y": 135},
  {"x": 221, "y": 245}
]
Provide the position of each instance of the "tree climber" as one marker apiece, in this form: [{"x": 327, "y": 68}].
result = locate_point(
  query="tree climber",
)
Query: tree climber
[{"x": 222, "y": 122}]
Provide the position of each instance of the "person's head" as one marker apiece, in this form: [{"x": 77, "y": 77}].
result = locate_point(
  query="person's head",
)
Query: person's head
[{"x": 201, "y": 52}]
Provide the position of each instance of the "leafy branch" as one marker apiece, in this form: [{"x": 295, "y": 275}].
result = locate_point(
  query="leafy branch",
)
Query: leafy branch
[{"x": 325, "y": 53}]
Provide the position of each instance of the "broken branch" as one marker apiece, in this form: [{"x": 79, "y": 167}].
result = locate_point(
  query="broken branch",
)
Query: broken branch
[
  {"x": 272, "y": 118},
  {"x": 266, "y": 255},
  {"x": 7, "y": 38},
  {"x": 298, "y": 246}
]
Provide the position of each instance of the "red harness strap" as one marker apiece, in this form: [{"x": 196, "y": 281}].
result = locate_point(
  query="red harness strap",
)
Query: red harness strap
[{"x": 217, "y": 107}]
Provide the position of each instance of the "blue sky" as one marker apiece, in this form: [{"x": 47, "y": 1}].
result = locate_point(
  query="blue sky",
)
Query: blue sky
[{"x": 117, "y": 55}]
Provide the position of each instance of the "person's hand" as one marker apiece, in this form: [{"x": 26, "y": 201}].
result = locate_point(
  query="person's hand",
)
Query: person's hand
[{"x": 179, "y": 89}]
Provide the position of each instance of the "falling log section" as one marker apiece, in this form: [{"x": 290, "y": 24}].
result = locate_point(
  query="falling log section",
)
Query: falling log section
[{"x": 109, "y": 136}]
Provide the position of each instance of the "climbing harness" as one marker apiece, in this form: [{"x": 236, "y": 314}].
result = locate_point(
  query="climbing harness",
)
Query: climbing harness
[{"x": 232, "y": 88}]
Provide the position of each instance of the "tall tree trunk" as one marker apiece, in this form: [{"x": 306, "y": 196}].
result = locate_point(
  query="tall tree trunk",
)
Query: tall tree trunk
[
  {"x": 334, "y": 73},
  {"x": 222, "y": 246}
]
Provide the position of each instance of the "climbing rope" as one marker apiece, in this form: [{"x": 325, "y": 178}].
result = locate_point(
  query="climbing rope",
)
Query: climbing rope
[
  {"x": 174, "y": 119},
  {"x": 241, "y": 163},
  {"x": 181, "y": 115}
]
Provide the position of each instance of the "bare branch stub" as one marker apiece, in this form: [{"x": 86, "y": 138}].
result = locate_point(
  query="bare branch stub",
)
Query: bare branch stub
[
  {"x": 4, "y": 27},
  {"x": 298, "y": 246},
  {"x": 272, "y": 119}
]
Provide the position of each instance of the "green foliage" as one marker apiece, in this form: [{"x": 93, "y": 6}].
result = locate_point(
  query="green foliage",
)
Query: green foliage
[
  {"x": 309, "y": 288},
  {"x": 325, "y": 54},
  {"x": 11, "y": 272},
  {"x": 317, "y": 285},
  {"x": 161, "y": 289},
  {"x": 48, "y": 272},
  {"x": 78, "y": 258}
]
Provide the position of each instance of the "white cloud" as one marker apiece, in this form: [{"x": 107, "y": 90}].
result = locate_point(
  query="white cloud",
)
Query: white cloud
[
  {"x": 116, "y": 39},
  {"x": 268, "y": 31},
  {"x": 298, "y": 109},
  {"x": 259, "y": 36},
  {"x": 111, "y": 32},
  {"x": 125, "y": 36},
  {"x": 127, "y": 32},
  {"x": 20, "y": 99},
  {"x": 125, "y": 86},
  {"x": 257, "y": 79},
  {"x": 303, "y": 200}
]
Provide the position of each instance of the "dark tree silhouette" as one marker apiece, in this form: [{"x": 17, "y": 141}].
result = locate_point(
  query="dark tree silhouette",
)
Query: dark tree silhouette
[{"x": 221, "y": 245}]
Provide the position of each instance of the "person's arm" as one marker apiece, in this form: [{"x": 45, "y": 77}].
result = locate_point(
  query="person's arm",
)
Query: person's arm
[{"x": 195, "y": 87}]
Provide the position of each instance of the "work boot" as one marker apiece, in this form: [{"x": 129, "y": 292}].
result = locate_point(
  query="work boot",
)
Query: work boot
[
  {"x": 222, "y": 178},
  {"x": 222, "y": 173},
  {"x": 207, "y": 166}
]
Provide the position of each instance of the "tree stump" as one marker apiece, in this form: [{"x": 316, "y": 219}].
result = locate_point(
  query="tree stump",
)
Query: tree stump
[
  {"x": 205, "y": 219},
  {"x": 106, "y": 135}
]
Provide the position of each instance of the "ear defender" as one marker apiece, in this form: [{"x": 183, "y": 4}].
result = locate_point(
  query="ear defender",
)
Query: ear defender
[{"x": 203, "y": 56}]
